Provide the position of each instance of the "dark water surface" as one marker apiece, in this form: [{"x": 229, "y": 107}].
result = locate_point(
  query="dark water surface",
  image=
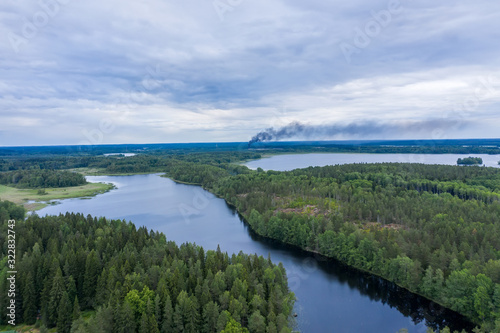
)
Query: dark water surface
[{"x": 330, "y": 296}]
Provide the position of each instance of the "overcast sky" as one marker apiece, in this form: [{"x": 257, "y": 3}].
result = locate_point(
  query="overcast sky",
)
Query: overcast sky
[{"x": 151, "y": 71}]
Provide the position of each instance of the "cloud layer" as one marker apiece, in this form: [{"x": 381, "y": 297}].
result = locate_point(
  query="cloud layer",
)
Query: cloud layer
[{"x": 164, "y": 71}]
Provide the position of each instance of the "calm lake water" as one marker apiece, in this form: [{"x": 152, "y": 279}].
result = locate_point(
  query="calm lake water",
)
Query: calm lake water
[
  {"x": 330, "y": 296},
  {"x": 295, "y": 161}
]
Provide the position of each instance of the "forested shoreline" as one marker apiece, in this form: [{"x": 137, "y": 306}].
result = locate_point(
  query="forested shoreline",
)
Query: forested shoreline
[
  {"x": 434, "y": 230},
  {"x": 136, "y": 281},
  {"x": 41, "y": 178}
]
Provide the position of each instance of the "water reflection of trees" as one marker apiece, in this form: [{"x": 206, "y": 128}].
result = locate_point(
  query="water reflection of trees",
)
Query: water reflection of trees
[{"x": 416, "y": 307}]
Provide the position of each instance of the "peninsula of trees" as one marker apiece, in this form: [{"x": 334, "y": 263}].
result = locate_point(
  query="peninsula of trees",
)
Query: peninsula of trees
[
  {"x": 135, "y": 280},
  {"x": 36, "y": 178}
]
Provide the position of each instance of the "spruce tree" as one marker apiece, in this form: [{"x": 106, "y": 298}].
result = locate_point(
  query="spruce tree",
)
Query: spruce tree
[
  {"x": 158, "y": 311},
  {"x": 92, "y": 272},
  {"x": 65, "y": 314},
  {"x": 76, "y": 309},
  {"x": 257, "y": 323},
  {"x": 167, "y": 323},
  {"x": 125, "y": 323},
  {"x": 56, "y": 293},
  {"x": 153, "y": 324},
  {"x": 210, "y": 316},
  {"x": 29, "y": 300},
  {"x": 144, "y": 324}
]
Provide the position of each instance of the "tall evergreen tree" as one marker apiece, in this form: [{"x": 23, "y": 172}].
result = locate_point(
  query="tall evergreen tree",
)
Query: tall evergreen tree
[
  {"x": 125, "y": 323},
  {"x": 144, "y": 324},
  {"x": 29, "y": 300},
  {"x": 92, "y": 271},
  {"x": 76, "y": 309},
  {"x": 167, "y": 324},
  {"x": 158, "y": 309},
  {"x": 65, "y": 314},
  {"x": 153, "y": 324},
  {"x": 210, "y": 317},
  {"x": 56, "y": 293},
  {"x": 257, "y": 323}
]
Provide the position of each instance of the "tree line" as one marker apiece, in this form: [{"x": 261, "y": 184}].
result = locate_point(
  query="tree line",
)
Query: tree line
[
  {"x": 467, "y": 146},
  {"x": 133, "y": 164},
  {"x": 36, "y": 178},
  {"x": 134, "y": 280}
]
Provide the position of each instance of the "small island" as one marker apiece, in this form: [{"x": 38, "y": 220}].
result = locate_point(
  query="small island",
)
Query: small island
[{"x": 470, "y": 161}]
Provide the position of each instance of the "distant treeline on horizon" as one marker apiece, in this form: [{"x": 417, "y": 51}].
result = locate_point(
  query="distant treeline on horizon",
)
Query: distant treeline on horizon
[{"x": 484, "y": 146}]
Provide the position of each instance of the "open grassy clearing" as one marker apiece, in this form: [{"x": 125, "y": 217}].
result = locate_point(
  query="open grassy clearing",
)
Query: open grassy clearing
[{"x": 22, "y": 196}]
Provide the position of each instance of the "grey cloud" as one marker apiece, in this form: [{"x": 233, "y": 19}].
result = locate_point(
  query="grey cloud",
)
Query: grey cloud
[{"x": 101, "y": 53}]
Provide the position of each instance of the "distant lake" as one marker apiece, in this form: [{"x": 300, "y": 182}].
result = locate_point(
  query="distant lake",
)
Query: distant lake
[
  {"x": 120, "y": 154},
  {"x": 296, "y": 161},
  {"x": 331, "y": 297}
]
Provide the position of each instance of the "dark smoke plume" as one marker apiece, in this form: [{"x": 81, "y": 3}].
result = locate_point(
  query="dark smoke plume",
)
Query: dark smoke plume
[{"x": 360, "y": 130}]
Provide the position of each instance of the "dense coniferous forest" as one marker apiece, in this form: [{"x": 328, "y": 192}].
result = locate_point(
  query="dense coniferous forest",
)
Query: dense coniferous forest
[
  {"x": 434, "y": 230},
  {"x": 135, "y": 280},
  {"x": 36, "y": 178}
]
